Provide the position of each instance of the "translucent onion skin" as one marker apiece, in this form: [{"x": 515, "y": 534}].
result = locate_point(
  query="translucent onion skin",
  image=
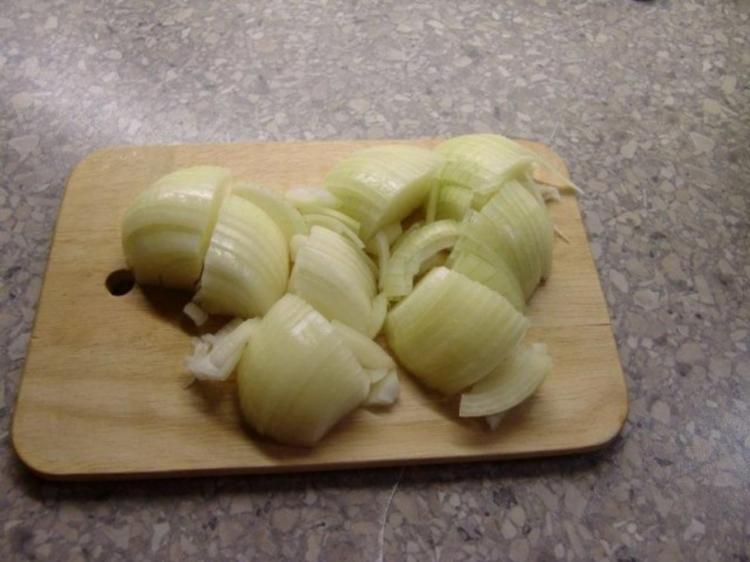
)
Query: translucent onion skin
[
  {"x": 296, "y": 378},
  {"x": 451, "y": 331},
  {"x": 508, "y": 384},
  {"x": 247, "y": 262},
  {"x": 381, "y": 185},
  {"x": 165, "y": 232},
  {"x": 333, "y": 276}
]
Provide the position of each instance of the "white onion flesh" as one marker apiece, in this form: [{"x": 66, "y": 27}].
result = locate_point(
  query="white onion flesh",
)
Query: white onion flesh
[
  {"x": 165, "y": 232},
  {"x": 369, "y": 354},
  {"x": 451, "y": 331},
  {"x": 286, "y": 217},
  {"x": 483, "y": 163},
  {"x": 216, "y": 355},
  {"x": 330, "y": 275},
  {"x": 453, "y": 202},
  {"x": 307, "y": 198},
  {"x": 247, "y": 262},
  {"x": 508, "y": 384},
  {"x": 383, "y": 184},
  {"x": 296, "y": 378},
  {"x": 385, "y": 391}
]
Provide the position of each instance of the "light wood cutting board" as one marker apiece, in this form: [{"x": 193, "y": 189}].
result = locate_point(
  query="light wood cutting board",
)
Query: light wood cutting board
[{"x": 104, "y": 393}]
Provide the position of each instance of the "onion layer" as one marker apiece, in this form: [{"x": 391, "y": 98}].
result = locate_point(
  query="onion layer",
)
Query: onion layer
[{"x": 451, "y": 331}]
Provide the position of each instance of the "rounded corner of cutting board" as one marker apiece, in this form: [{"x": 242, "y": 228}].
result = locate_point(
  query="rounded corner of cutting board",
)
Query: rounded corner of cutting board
[{"x": 27, "y": 451}]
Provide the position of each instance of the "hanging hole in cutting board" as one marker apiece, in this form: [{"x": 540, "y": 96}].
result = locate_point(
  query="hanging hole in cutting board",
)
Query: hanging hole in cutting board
[{"x": 120, "y": 282}]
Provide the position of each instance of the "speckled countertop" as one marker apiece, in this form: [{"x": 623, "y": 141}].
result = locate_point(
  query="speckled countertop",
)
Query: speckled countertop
[{"x": 650, "y": 104}]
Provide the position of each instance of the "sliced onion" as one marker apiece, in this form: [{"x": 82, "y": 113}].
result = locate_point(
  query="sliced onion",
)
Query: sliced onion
[
  {"x": 494, "y": 275},
  {"x": 383, "y": 184},
  {"x": 483, "y": 163},
  {"x": 247, "y": 263},
  {"x": 216, "y": 355},
  {"x": 331, "y": 276},
  {"x": 308, "y": 198},
  {"x": 297, "y": 378},
  {"x": 385, "y": 391},
  {"x": 451, "y": 331},
  {"x": 530, "y": 227},
  {"x": 286, "y": 217},
  {"x": 330, "y": 223},
  {"x": 391, "y": 233},
  {"x": 453, "y": 202},
  {"x": 508, "y": 384},
  {"x": 369, "y": 354},
  {"x": 344, "y": 219},
  {"x": 416, "y": 247},
  {"x": 166, "y": 231}
]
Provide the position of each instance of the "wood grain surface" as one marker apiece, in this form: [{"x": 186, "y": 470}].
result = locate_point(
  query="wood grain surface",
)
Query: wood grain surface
[{"x": 104, "y": 393}]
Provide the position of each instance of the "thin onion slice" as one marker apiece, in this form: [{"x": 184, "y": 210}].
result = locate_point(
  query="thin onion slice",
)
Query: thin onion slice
[
  {"x": 165, "y": 232},
  {"x": 391, "y": 233},
  {"x": 509, "y": 384},
  {"x": 297, "y": 378},
  {"x": 451, "y": 331},
  {"x": 417, "y": 246},
  {"x": 383, "y": 184}
]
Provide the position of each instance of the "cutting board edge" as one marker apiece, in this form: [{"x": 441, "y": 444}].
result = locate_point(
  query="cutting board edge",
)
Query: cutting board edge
[{"x": 19, "y": 440}]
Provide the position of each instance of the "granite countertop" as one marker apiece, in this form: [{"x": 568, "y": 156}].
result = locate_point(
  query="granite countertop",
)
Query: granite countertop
[{"x": 649, "y": 103}]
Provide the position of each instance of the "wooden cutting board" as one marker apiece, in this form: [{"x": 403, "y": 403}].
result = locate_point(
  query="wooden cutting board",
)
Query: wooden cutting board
[{"x": 104, "y": 393}]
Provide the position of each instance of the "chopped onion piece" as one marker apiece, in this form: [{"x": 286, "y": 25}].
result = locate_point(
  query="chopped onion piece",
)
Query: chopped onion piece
[
  {"x": 286, "y": 217},
  {"x": 483, "y": 163},
  {"x": 453, "y": 202},
  {"x": 383, "y": 184},
  {"x": 385, "y": 391},
  {"x": 306, "y": 198},
  {"x": 215, "y": 356},
  {"x": 247, "y": 263},
  {"x": 334, "y": 278},
  {"x": 451, "y": 331},
  {"x": 495, "y": 275},
  {"x": 165, "y": 232},
  {"x": 346, "y": 220},
  {"x": 416, "y": 247},
  {"x": 297, "y": 378},
  {"x": 369, "y": 354},
  {"x": 195, "y": 313},
  {"x": 508, "y": 384}
]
